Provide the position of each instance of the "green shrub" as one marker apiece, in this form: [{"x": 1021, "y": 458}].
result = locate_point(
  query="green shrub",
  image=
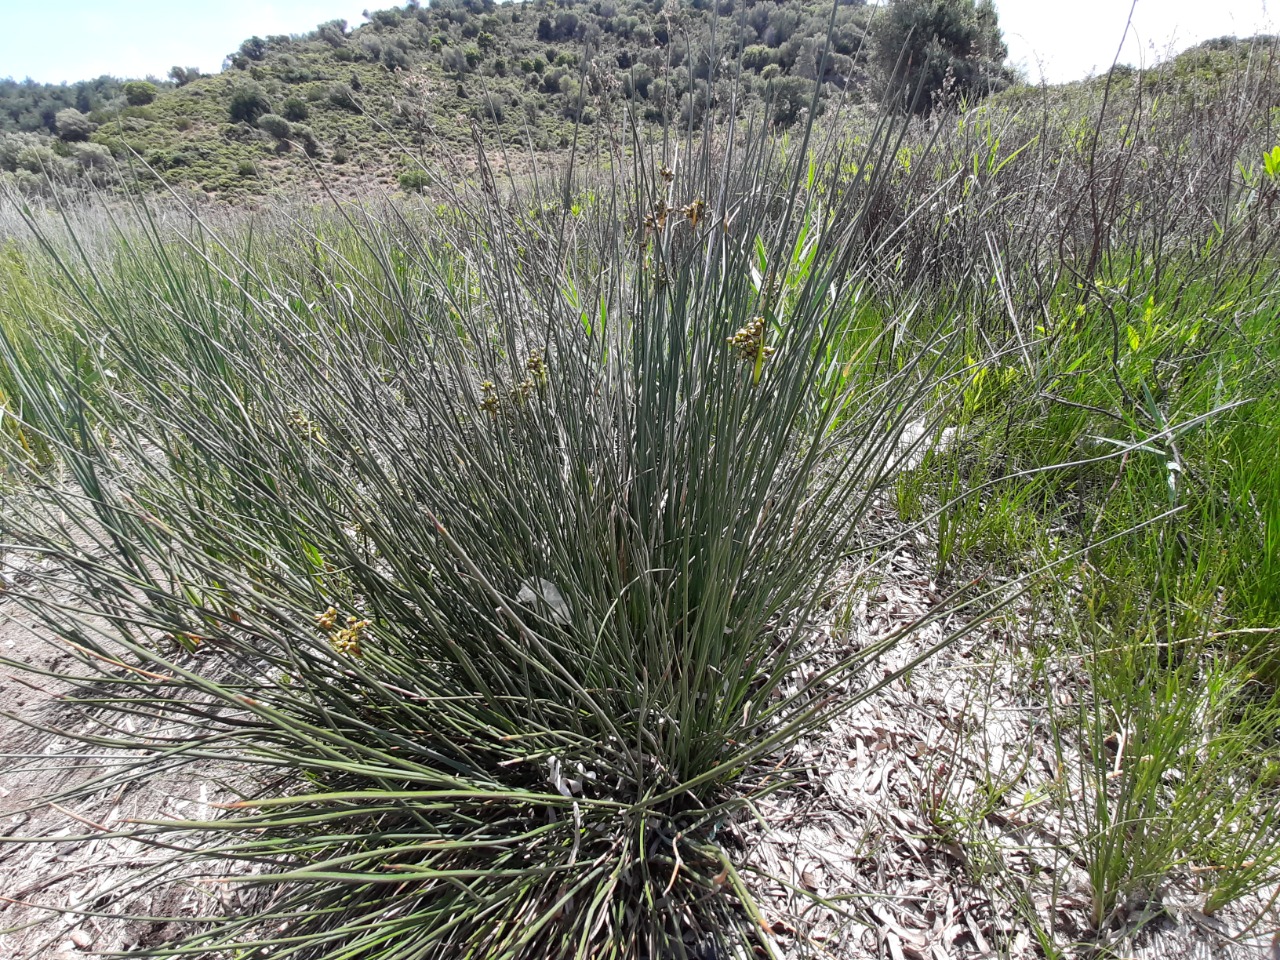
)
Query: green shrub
[
  {"x": 24, "y": 183},
  {"x": 341, "y": 95},
  {"x": 395, "y": 58},
  {"x": 181, "y": 76},
  {"x": 72, "y": 125},
  {"x": 12, "y": 145},
  {"x": 255, "y": 48},
  {"x": 455, "y": 60},
  {"x": 138, "y": 93},
  {"x": 414, "y": 180},
  {"x": 92, "y": 156},
  {"x": 247, "y": 103},
  {"x": 788, "y": 97},
  {"x": 757, "y": 57},
  {"x": 275, "y": 125},
  {"x": 306, "y": 138},
  {"x": 295, "y": 109},
  {"x": 930, "y": 48},
  {"x": 37, "y": 157},
  {"x": 239, "y": 132},
  {"x": 333, "y": 32}
]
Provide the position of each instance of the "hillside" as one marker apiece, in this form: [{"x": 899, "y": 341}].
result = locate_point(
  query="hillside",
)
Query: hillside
[
  {"x": 348, "y": 108},
  {"x": 356, "y": 103}
]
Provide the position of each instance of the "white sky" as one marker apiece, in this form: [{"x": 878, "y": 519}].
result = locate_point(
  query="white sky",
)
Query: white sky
[
  {"x": 81, "y": 39},
  {"x": 1068, "y": 39}
]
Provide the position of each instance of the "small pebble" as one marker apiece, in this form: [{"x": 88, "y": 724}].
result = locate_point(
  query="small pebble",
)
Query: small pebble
[{"x": 81, "y": 939}]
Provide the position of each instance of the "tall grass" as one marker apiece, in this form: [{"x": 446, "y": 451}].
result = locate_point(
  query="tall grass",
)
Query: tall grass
[
  {"x": 1125, "y": 232},
  {"x": 487, "y": 542},
  {"x": 1177, "y": 771}
]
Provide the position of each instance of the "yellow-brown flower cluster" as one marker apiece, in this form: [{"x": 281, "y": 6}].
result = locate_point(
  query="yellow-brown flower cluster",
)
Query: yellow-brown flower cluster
[
  {"x": 749, "y": 342},
  {"x": 694, "y": 212},
  {"x": 489, "y": 402},
  {"x": 344, "y": 640},
  {"x": 538, "y": 377},
  {"x": 537, "y": 367},
  {"x": 657, "y": 219}
]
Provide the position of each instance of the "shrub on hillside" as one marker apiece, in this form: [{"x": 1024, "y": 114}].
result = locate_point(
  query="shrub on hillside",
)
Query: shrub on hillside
[
  {"x": 91, "y": 156},
  {"x": 275, "y": 125},
  {"x": 138, "y": 93},
  {"x": 395, "y": 58},
  {"x": 72, "y": 125},
  {"x": 757, "y": 57},
  {"x": 181, "y": 76},
  {"x": 341, "y": 95},
  {"x": 24, "y": 183},
  {"x": 454, "y": 60},
  {"x": 38, "y": 157},
  {"x": 255, "y": 48},
  {"x": 414, "y": 180},
  {"x": 788, "y": 98},
  {"x": 248, "y": 102},
  {"x": 305, "y": 138},
  {"x": 295, "y": 109},
  {"x": 12, "y": 145},
  {"x": 333, "y": 32}
]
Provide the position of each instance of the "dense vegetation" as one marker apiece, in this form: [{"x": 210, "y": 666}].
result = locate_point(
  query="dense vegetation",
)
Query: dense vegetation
[
  {"x": 30, "y": 107},
  {"x": 363, "y": 103},
  {"x": 497, "y": 542},
  {"x": 340, "y": 109}
]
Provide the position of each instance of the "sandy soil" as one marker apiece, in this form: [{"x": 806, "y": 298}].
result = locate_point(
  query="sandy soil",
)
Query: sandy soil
[
  {"x": 65, "y": 880},
  {"x": 896, "y": 846}
]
